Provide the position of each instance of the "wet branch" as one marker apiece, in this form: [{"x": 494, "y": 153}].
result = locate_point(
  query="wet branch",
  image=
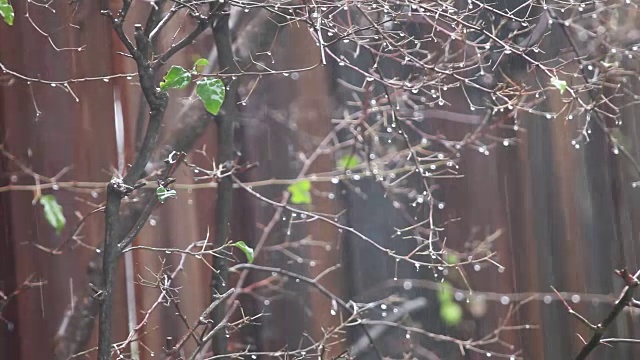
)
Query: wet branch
[
  {"x": 224, "y": 122},
  {"x": 625, "y": 299},
  {"x": 120, "y": 188}
]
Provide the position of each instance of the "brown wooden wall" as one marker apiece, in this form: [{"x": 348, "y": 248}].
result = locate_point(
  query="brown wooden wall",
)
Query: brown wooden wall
[{"x": 568, "y": 216}]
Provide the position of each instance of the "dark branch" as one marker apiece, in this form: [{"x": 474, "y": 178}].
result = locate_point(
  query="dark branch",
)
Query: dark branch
[
  {"x": 225, "y": 122},
  {"x": 109, "y": 260},
  {"x": 626, "y": 296},
  {"x": 203, "y": 23},
  {"x": 154, "y": 18}
]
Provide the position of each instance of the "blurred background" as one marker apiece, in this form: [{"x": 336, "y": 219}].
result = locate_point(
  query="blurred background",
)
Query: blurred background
[{"x": 549, "y": 195}]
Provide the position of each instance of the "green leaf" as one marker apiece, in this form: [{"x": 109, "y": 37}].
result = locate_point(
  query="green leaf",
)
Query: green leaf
[
  {"x": 300, "y": 192},
  {"x": 53, "y": 212},
  {"x": 177, "y": 78},
  {"x": 6, "y": 11},
  {"x": 445, "y": 293},
  {"x": 163, "y": 194},
  {"x": 349, "y": 162},
  {"x": 248, "y": 251},
  {"x": 452, "y": 259},
  {"x": 559, "y": 84},
  {"x": 451, "y": 313},
  {"x": 199, "y": 65},
  {"x": 211, "y": 92}
]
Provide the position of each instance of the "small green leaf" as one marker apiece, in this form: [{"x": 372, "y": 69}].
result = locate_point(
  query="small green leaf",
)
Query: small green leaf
[
  {"x": 53, "y": 212},
  {"x": 177, "y": 78},
  {"x": 211, "y": 92},
  {"x": 163, "y": 194},
  {"x": 6, "y": 11},
  {"x": 559, "y": 84},
  {"x": 199, "y": 65},
  {"x": 300, "y": 192},
  {"x": 445, "y": 294},
  {"x": 248, "y": 251},
  {"x": 452, "y": 259},
  {"x": 349, "y": 162},
  {"x": 451, "y": 313}
]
